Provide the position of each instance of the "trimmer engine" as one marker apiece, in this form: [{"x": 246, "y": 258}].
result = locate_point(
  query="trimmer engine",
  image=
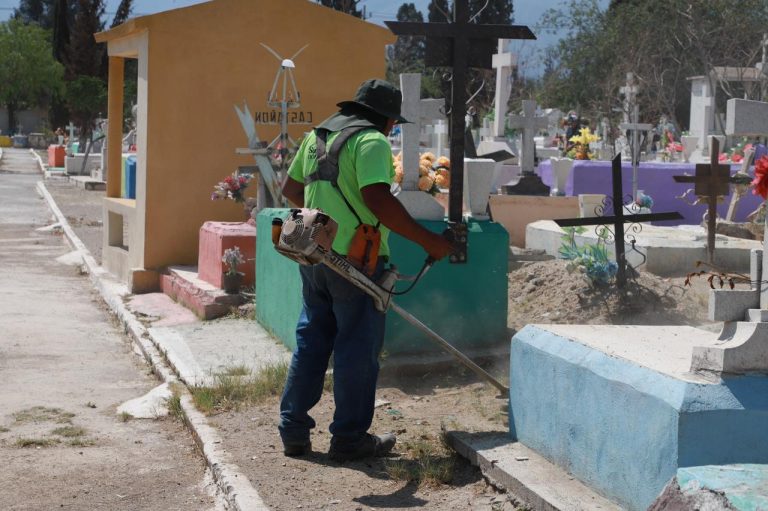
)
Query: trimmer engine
[{"x": 305, "y": 236}]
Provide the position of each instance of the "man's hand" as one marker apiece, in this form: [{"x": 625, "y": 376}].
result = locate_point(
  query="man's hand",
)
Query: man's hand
[
  {"x": 393, "y": 214},
  {"x": 438, "y": 246}
]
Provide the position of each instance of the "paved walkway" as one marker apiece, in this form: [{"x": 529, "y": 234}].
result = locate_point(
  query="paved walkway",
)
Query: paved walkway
[{"x": 64, "y": 365}]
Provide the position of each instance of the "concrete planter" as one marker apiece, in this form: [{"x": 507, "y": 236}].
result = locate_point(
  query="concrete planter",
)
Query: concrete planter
[
  {"x": 561, "y": 167},
  {"x": 231, "y": 282},
  {"x": 478, "y": 179},
  {"x": 589, "y": 204},
  {"x": 690, "y": 143}
]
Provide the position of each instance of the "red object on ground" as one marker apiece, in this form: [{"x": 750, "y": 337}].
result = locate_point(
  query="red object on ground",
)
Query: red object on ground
[
  {"x": 56, "y": 155},
  {"x": 215, "y": 238}
]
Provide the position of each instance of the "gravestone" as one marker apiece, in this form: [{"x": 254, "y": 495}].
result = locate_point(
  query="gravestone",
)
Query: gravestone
[
  {"x": 495, "y": 139},
  {"x": 712, "y": 181},
  {"x": 702, "y": 117},
  {"x": 459, "y": 45},
  {"x": 745, "y": 118},
  {"x": 529, "y": 183},
  {"x": 618, "y": 220},
  {"x": 419, "y": 204},
  {"x": 629, "y": 91}
]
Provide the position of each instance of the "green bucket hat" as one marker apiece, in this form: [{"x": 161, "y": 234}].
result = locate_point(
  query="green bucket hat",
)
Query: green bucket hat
[{"x": 379, "y": 96}]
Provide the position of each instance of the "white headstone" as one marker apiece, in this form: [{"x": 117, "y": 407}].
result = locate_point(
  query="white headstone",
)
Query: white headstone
[
  {"x": 530, "y": 124},
  {"x": 420, "y": 205},
  {"x": 746, "y": 118},
  {"x": 417, "y": 111},
  {"x": 702, "y": 118},
  {"x": 503, "y": 62}
]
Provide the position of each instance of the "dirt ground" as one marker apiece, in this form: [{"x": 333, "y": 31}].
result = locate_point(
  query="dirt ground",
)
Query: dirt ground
[{"x": 422, "y": 472}]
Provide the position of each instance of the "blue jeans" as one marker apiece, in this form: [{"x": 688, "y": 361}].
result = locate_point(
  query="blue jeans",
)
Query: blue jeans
[{"x": 339, "y": 319}]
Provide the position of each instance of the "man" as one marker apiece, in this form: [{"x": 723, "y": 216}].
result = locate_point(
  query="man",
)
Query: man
[{"x": 337, "y": 317}]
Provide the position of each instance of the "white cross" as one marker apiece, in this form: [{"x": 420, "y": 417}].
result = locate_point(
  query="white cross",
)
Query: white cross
[
  {"x": 629, "y": 91},
  {"x": 503, "y": 63},
  {"x": 417, "y": 111},
  {"x": 530, "y": 125},
  {"x": 635, "y": 127},
  {"x": 71, "y": 128},
  {"x": 441, "y": 133}
]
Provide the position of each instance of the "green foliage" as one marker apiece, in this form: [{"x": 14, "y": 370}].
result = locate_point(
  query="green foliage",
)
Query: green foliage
[
  {"x": 591, "y": 260},
  {"x": 86, "y": 98},
  {"x": 28, "y": 72},
  {"x": 345, "y": 6},
  {"x": 407, "y": 54},
  {"x": 662, "y": 41}
]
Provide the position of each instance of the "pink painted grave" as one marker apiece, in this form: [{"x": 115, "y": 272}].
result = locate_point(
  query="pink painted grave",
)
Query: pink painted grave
[{"x": 215, "y": 238}]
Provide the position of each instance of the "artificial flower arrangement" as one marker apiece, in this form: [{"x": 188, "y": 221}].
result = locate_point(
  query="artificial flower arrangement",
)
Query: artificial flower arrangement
[
  {"x": 232, "y": 187},
  {"x": 644, "y": 201},
  {"x": 233, "y": 258},
  {"x": 580, "y": 150},
  {"x": 434, "y": 172},
  {"x": 760, "y": 182},
  {"x": 736, "y": 154}
]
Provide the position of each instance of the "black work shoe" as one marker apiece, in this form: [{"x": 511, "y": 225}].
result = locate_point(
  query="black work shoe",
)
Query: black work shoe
[
  {"x": 297, "y": 449},
  {"x": 369, "y": 446}
]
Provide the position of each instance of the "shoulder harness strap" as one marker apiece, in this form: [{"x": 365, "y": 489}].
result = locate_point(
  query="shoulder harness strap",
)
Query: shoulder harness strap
[{"x": 328, "y": 161}]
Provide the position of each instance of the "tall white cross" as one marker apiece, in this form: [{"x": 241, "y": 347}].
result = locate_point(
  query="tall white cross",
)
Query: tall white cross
[
  {"x": 417, "y": 111},
  {"x": 629, "y": 91},
  {"x": 71, "y": 128},
  {"x": 530, "y": 124},
  {"x": 635, "y": 128},
  {"x": 503, "y": 63}
]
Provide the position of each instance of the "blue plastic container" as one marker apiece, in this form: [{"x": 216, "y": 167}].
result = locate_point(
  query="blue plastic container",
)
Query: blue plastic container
[{"x": 130, "y": 177}]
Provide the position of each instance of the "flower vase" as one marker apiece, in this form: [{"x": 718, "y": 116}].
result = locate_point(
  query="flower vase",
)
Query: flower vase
[{"x": 231, "y": 282}]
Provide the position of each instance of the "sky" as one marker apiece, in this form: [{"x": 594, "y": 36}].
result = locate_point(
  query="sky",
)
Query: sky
[{"x": 527, "y": 12}]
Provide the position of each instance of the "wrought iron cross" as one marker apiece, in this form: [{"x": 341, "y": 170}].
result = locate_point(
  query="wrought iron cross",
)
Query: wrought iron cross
[
  {"x": 618, "y": 220},
  {"x": 460, "y": 45},
  {"x": 712, "y": 180}
]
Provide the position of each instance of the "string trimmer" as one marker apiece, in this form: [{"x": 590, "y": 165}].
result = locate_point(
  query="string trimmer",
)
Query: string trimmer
[{"x": 306, "y": 237}]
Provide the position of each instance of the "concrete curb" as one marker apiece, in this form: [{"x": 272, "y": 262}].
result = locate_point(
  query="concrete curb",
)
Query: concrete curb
[
  {"x": 237, "y": 490},
  {"x": 39, "y": 160}
]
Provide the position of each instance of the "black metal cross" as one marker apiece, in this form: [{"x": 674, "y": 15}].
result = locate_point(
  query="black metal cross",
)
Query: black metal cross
[
  {"x": 460, "y": 45},
  {"x": 618, "y": 220},
  {"x": 712, "y": 180}
]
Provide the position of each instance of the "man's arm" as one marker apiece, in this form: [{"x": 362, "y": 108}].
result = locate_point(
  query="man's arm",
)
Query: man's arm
[
  {"x": 393, "y": 214},
  {"x": 294, "y": 192}
]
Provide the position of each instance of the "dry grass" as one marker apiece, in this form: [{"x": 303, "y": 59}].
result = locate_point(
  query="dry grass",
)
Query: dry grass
[
  {"x": 25, "y": 442},
  {"x": 236, "y": 386},
  {"x": 124, "y": 416},
  {"x": 43, "y": 414},
  {"x": 427, "y": 461},
  {"x": 69, "y": 431},
  {"x": 81, "y": 442}
]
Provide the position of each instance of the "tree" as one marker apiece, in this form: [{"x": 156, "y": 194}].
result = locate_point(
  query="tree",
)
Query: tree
[
  {"x": 86, "y": 98},
  {"x": 123, "y": 13},
  {"x": 28, "y": 71},
  {"x": 439, "y": 11},
  {"x": 661, "y": 41},
  {"x": 345, "y": 6},
  {"x": 84, "y": 54},
  {"x": 407, "y": 54}
]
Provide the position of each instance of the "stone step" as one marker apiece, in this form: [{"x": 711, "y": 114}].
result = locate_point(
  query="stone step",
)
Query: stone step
[
  {"x": 88, "y": 183},
  {"x": 208, "y": 302},
  {"x": 541, "y": 485}
]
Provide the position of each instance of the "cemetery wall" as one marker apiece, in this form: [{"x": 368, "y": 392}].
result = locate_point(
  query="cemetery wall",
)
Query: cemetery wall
[
  {"x": 31, "y": 121},
  {"x": 205, "y": 59}
]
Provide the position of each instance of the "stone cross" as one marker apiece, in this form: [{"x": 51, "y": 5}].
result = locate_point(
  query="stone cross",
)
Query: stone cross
[
  {"x": 459, "y": 45},
  {"x": 71, "y": 128},
  {"x": 417, "y": 111},
  {"x": 441, "y": 133},
  {"x": 629, "y": 91},
  {"x": 618, "y": 220},
  {"x": 530, "y": 124},
  {"x": 712, "y": 180},
  {"x": 635, "y": 128},
  {"x": 503, "y": 63}
]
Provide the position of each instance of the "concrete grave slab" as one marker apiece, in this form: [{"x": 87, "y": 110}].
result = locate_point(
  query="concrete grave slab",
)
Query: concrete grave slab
[
  {"x": 619, "y": 409},
  {"x": 669, "y": 250}
]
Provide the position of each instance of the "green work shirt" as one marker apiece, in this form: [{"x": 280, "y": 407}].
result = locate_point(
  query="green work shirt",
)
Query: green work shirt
[{"x": 365, "y": 159}]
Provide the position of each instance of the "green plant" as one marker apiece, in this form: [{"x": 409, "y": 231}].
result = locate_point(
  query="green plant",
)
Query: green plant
[
  {"x": 69, "y": 431},
  {"x": 591, "y": 260},
  {"x": 124, "y": 416},
  {"x": 36, "y": 442},
  {"x": 231, "y": 389}
]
